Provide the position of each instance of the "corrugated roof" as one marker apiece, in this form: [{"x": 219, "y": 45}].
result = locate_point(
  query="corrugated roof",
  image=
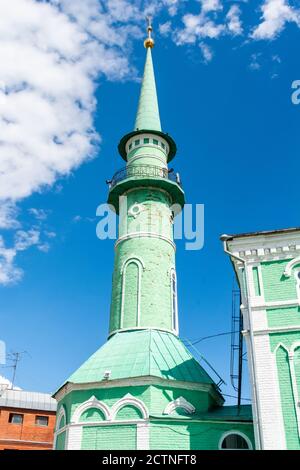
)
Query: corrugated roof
[
  {"x": 27, "y": 400},
  {"x": 142, "y": 353}
]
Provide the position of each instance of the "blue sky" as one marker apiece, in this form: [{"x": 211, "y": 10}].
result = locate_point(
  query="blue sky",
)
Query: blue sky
[{"x": 224, "y": 96}]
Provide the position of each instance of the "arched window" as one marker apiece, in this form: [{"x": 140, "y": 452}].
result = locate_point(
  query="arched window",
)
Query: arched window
[
  {"x": 131, "y": 292},
  {"x": 234, "y": 441},
  {"x": 174, "y": 300}
]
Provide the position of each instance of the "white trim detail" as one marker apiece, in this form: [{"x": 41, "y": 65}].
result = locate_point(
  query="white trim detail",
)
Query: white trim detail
[
  {"x": 288, "y": 269},
  {"x": 142, "y": 436},
  {"x": 180, "y": 402},
  {"x": 140, "y": 267},
  {"x": 90, "y": 403},
  {"x": 74, "y": 437},
  {"x": 239, "y": 433},
  {"x": 132, "y": 401}
]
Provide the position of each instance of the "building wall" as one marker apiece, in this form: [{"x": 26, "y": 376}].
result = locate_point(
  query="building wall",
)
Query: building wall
[
  {"x": 271, "y": 310},
  {"x": 27, "y": 435},
  {"x": 141, "y": 417}
]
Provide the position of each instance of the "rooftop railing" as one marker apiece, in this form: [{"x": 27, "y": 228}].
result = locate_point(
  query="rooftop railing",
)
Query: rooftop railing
[{"x": 144, "y": 171}]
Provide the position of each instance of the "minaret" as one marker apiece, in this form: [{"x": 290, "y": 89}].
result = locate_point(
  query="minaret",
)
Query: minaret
[
  {"x": 143, "y": 389},
  {"x": 145, "y": 194}
]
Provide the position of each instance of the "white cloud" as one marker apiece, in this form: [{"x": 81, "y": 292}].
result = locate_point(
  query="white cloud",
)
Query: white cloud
[
  {"x": 275, "y": 15},
  {"x": 24, "y": 240},
  {"x": 233, "y": 17},
  {"x": 9, "y": 273},
  {"x": 39, "y": 214},
  {"x": 206, "y": 51},
  {"x": 8, "y": 215},
  {"x": 165, "y": 28}
]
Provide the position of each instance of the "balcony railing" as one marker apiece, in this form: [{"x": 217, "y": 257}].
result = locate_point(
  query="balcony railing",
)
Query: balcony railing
[{"x": 144, "y": 171}]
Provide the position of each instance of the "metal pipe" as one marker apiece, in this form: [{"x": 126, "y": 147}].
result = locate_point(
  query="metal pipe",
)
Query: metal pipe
[{"x": 224, "y": 239}]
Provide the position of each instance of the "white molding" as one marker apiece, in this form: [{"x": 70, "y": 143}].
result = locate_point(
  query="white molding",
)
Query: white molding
[
  {"x": 288, "y": 269},
  {"x": 146, "y": 380},
  {"x": 74, "y": 441},
  {"x": 145, "y": 234},
  {"x": 239, "y": 433},
  {"x": 141, "y": 267},
  {"x": 260, "y": 304},
  {"x": 92, "y": 402},
  {"x": 128, "y": 400},
  {"x": 143, "y": 436},
  {"x": 279, "y": 329},
  {"x": 180, "y": 402},
  {"x": 140, "y": 328}
]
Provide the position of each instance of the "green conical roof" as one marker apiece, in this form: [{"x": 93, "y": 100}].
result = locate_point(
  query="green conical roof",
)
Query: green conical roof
[
  {"x": 142, "y": 353},
  {"x": 148, "y": 112}
]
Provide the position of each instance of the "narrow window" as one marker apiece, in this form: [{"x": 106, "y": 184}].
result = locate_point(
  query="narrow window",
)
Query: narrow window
[
  {"x": 130, "y": 146},
  {"x": 163, "y": 145},
  {"x": 155, "y": 142},
  {"x": 146, "y": 140},
  {"x": 174, "y": 299},
  {"x": 130, "y": 295},
  {"x": 137, "y": 142},
  {"x": 15, "y": 418},
  {"x": 41, "y": 420},
  {"x": 256, "y": 282}
]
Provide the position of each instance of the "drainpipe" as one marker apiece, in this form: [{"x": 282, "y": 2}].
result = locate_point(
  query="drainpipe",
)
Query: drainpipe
[{"x": 224, "y": 239}]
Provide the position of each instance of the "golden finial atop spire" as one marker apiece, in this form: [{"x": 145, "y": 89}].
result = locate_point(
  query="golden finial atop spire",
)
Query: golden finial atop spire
[{"x": 149, "y": 41}]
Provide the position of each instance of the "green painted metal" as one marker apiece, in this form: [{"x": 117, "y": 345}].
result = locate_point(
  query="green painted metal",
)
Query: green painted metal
[
  {"x": 148, "y": 113},
  {"x": 142, "y": 353}
]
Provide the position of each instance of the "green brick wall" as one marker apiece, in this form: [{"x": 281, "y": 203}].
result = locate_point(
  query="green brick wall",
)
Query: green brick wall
[
  {"x": 120, "y": 437},
  {"x": 276, "y": 286},
  {"x": 194, "y": 436}
]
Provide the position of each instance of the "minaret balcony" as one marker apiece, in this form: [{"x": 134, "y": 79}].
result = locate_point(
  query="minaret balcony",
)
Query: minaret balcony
[{"x": 142, "y": 176}]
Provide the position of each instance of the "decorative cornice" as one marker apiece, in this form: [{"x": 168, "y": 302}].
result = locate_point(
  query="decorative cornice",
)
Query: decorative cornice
[
  {"x": 180, "y": 402},
  {"x": 266, "y": 247}
]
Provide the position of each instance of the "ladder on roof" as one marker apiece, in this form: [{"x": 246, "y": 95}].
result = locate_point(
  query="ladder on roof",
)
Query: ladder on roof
[{"x": 236, "y": 348}]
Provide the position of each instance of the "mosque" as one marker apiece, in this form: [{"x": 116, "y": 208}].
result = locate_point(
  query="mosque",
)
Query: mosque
[{"x": 143, "y": 389}]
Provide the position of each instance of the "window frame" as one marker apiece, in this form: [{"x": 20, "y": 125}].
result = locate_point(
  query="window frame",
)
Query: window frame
[
  {"x": 238, "y": 433},
  {"x": 41, "y": 425},
  {"x": 11, "y": 417}
]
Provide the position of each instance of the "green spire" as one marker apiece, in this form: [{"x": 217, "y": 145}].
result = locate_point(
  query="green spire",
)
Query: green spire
[{"x": 148, "y": 113}]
